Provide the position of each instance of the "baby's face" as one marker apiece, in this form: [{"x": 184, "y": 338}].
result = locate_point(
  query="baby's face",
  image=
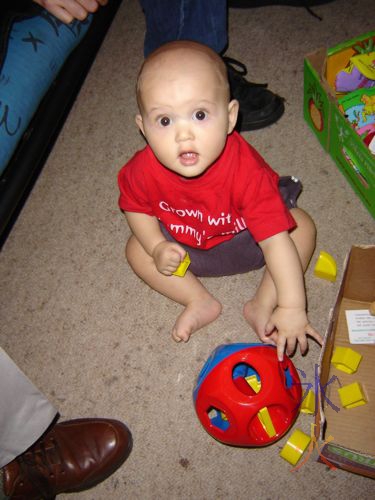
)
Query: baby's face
[{"x": 185, "y": 111}]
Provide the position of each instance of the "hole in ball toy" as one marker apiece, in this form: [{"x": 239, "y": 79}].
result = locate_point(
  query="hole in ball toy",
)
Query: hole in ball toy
[
  {"x": 246, "y": 379},
  {"x": 268, "y": 424},
  {"x": 218, "y": 418}
]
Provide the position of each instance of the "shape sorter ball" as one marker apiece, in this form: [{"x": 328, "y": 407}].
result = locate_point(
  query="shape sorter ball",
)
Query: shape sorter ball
[{"x": 245, "y": 397}]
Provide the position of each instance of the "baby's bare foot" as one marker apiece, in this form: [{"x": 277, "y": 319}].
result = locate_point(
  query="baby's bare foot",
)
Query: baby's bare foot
[
  {"x": 196, "y": 315},
  {"x": 257, "y": 315}
]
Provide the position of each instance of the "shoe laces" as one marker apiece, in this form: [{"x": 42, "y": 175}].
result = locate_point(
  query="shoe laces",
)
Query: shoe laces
[
  {"x": 36, "y": 467},
  {"x": 236, "y": 75}
]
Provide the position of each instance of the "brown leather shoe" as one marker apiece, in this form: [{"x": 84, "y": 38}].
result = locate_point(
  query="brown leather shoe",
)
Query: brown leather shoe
[{"x": 71, "y": 456}]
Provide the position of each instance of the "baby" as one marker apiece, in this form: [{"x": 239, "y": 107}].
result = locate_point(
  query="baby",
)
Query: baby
[{"x": 199, "y": 187}]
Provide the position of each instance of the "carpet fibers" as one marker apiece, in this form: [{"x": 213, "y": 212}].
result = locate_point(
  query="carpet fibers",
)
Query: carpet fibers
[{"x": 96, "y": 340}]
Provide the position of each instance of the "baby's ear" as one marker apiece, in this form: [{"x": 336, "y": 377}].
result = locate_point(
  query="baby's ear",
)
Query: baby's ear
[
  {"x": 139, "y": 122},
  {"x": 233, "y": 108}
]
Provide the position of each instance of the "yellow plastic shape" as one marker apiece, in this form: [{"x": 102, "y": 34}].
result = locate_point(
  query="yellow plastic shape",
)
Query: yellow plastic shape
[
  {"x": 182, "y": 268},
  {"x": 352, "y": 395},
  {"x": 295, "y": 447},
  {"x": 326, "y": 267},
  {"x": 266, "y": 421},
  {"x": 254, "y": 383},
  {"x": 308, "y": 402},
  {"x": 346, "y": 359}
]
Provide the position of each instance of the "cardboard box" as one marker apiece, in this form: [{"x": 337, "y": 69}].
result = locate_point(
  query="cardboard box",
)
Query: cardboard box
[
  {"x": 331, "y": 127},
  {"x": 346, "y": 436}
]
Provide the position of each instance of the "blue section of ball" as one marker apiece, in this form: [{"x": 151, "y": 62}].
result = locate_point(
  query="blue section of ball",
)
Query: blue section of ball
[{"x": 221, "y": 352}]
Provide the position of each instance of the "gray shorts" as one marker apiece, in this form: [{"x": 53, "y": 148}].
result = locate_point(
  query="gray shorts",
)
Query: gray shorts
[{"x": 242, "y": 253}]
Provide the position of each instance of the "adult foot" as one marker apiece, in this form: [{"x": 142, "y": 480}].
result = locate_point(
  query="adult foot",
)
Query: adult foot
[
  {"x": 196, "y": 315},
  {"x": 72, "y": 456}
]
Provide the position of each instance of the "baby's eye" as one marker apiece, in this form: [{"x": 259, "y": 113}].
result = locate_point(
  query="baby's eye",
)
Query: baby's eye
[
  {"x": 200, "y": 115},
  {"x": 164, "y": 121}
]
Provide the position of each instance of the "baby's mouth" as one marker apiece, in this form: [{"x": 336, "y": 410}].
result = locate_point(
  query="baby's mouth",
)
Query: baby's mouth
[{"x": 188, "y": 158}]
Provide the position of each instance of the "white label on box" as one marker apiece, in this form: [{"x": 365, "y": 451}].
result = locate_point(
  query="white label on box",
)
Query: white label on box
[{"x": 361, "y": 326}]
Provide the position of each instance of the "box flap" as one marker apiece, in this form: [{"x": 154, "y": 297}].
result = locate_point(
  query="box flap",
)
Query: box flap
[
  {"x": 352, "y": 428},
  {"x": 360, "y": 281},
  {"x": 317, "y": 61},
  {"x": 349, "y": 429}
]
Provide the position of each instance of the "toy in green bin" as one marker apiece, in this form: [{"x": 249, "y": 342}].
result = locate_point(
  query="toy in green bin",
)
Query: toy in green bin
[
  {"x": 359, "y": 109},
  {"x": 360, "y": 71}
]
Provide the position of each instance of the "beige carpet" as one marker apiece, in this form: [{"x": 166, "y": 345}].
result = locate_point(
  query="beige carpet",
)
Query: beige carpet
[{"x": 97, "y": 341}]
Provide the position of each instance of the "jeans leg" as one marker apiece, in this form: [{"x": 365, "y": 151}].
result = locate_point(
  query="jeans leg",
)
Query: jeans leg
[{"x": 204, "y": 21}]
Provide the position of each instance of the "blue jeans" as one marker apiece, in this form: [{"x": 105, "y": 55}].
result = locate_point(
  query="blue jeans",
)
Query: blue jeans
[{"x": 204, "y": 21}]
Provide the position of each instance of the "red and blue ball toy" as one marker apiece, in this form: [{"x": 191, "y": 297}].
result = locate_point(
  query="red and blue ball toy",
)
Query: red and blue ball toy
[{"x": 244, "y": 396}]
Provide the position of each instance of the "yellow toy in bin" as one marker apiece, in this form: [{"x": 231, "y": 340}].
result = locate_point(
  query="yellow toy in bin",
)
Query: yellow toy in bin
[
  {"x": 352, "y": 395},
  {"x": 346, "y": 359}
]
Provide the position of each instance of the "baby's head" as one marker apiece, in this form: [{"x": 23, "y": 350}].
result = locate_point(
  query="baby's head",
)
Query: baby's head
[{"x": 185, "y": 108}]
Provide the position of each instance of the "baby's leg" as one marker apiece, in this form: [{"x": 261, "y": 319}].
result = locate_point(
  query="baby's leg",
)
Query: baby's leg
[
  {"x": 258, "y": 310},
  {"x": 201, "y": 308}
]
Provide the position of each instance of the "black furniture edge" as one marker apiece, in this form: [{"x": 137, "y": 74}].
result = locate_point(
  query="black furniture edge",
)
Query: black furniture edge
[{"x": 27, "y": 162}]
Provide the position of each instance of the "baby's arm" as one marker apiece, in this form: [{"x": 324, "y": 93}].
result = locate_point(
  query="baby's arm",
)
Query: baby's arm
[
  {"x": 289, "y": 317},
  {"x": 167, "y": 255}
]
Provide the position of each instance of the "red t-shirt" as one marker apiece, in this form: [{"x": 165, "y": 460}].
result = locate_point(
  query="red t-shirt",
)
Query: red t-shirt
[{"x": 239, "y": 191}]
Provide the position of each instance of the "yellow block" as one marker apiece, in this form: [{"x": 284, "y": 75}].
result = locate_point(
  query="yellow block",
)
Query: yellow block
[
  {"x": 308, "y": 403},
  {"x": 266, "y": 421},
  {"x": 295, "y": 447},
  {"x": 325, "y": 267},
  {"x": 182, "y": 268},
  {"x": 352, "y": 395},
  {"x": 254, "y": 383},
  {"x": 346, "y": 359}
]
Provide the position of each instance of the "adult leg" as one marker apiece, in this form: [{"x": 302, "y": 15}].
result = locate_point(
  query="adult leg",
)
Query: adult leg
[
  {"x": 40, "y": 460},
  {"x": 204, "y": 22},
  {"x": 24, "y": 412},
  {"x": 200, "y": 307}
]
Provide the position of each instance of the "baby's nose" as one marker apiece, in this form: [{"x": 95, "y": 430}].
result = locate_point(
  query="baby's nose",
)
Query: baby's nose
[{"x": 184, "y": 131}]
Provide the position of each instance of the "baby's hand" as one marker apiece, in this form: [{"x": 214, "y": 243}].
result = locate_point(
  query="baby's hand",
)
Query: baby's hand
[
  {"x": 292, "y": 326},
  {"x": 167, "y": 257}
]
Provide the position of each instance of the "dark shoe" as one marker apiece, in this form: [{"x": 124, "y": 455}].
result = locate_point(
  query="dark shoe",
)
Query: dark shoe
[
  {"x": 259, "y": 107},
  {"x": 72, "y": 456}
]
